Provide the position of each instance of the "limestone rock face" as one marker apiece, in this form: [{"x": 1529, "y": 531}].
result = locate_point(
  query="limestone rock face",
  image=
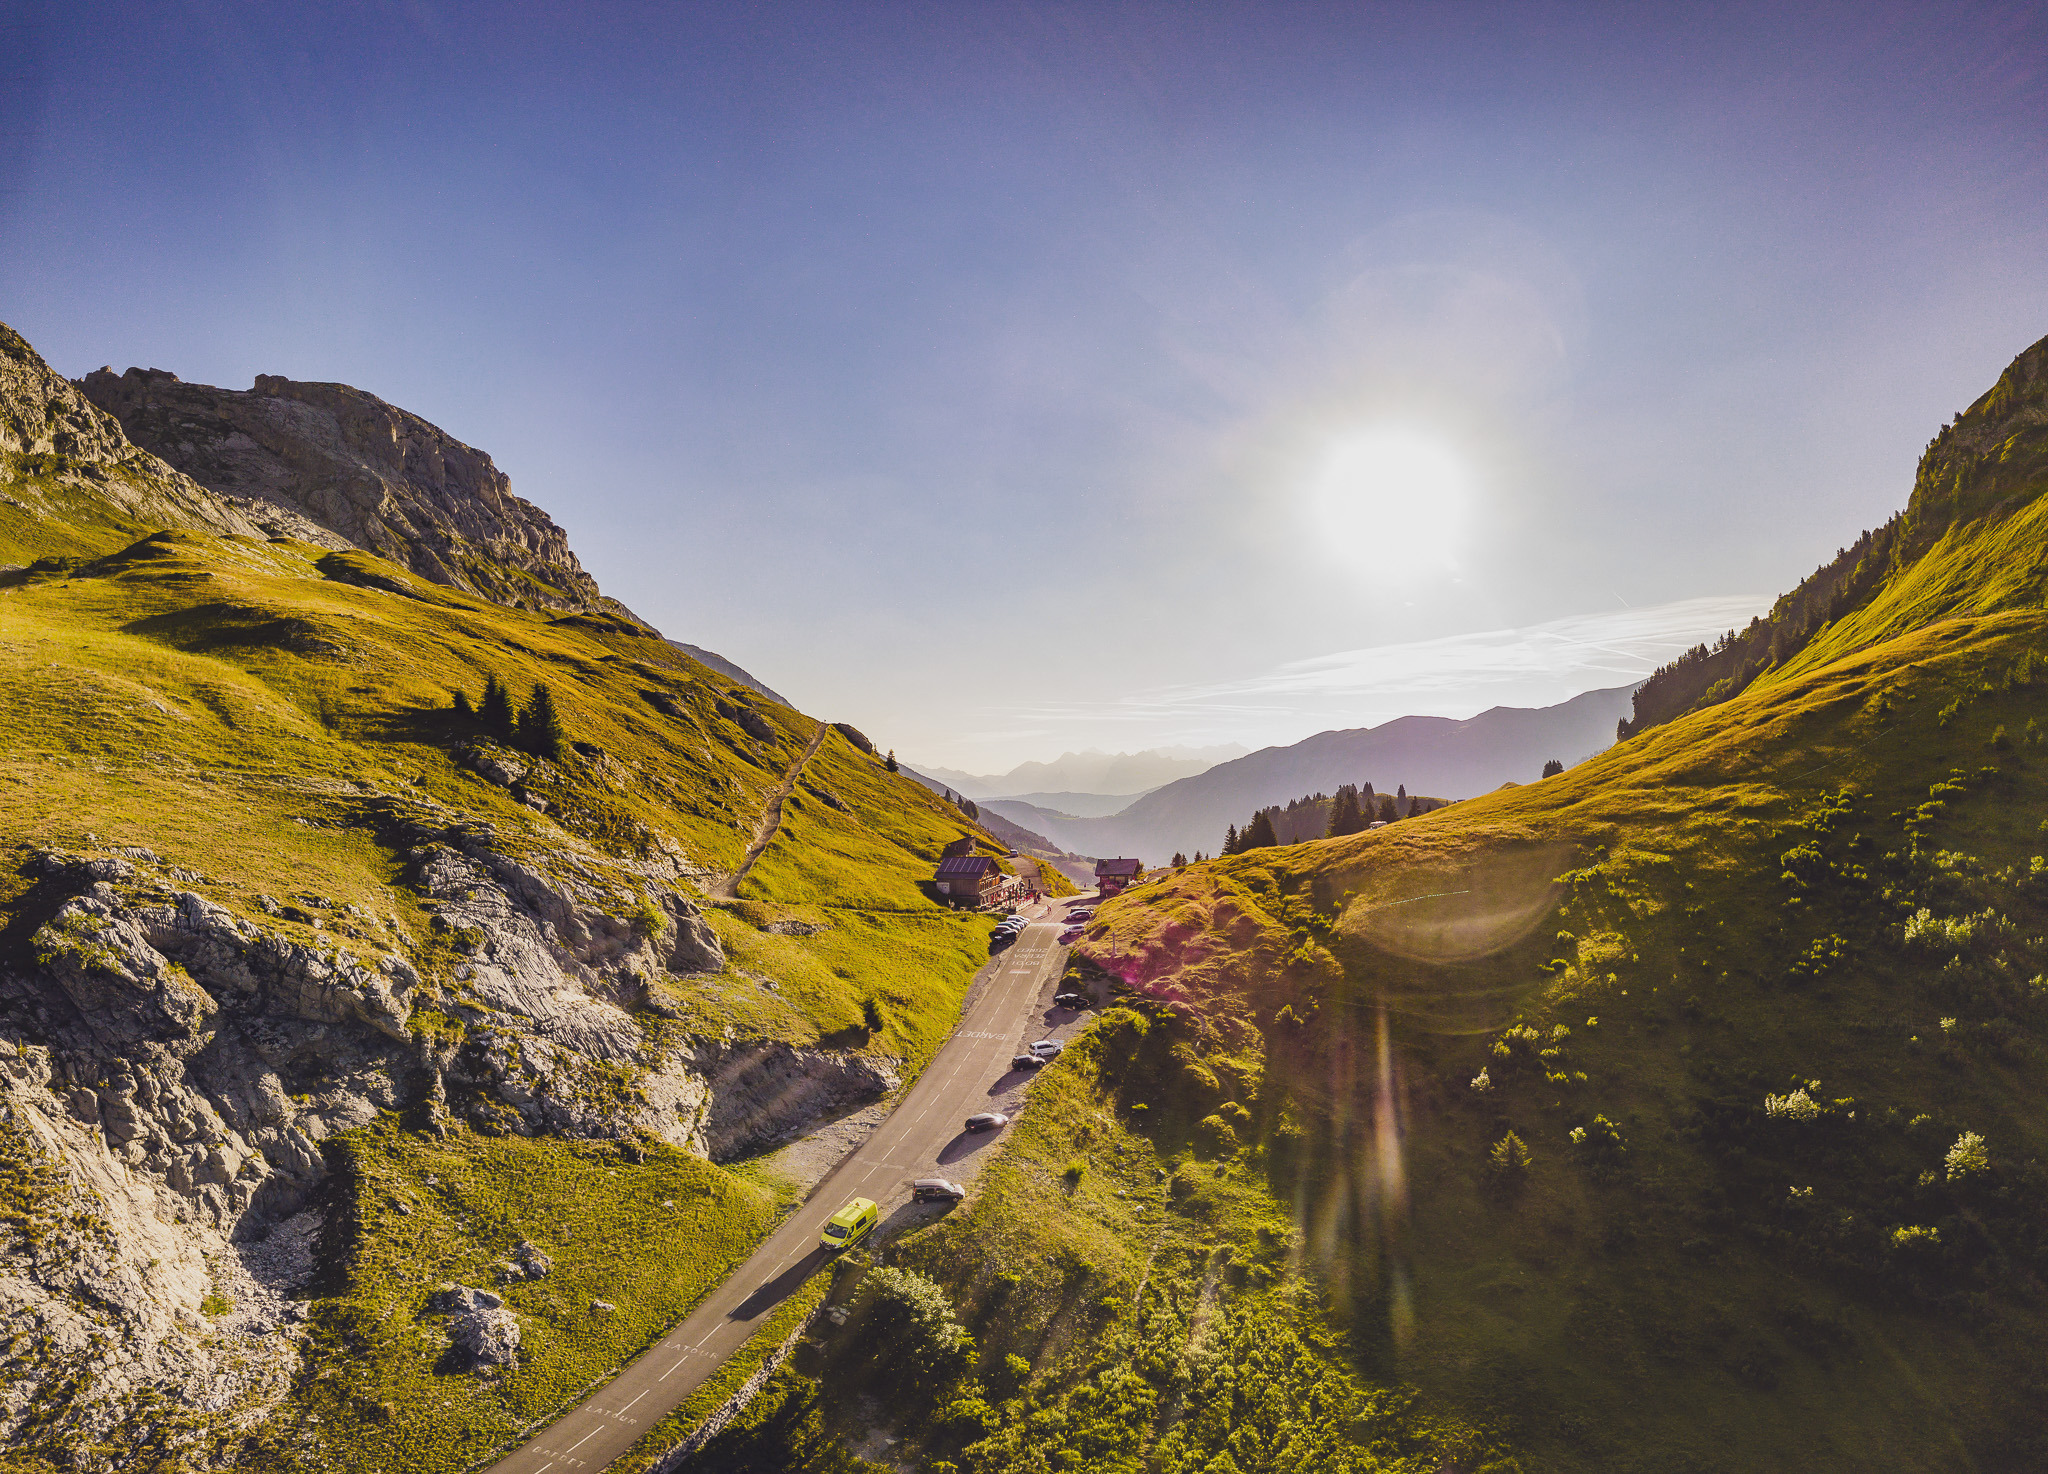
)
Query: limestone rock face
[
  {"x": 377, "y": 475},
  {"x": 54, "y": 440}
]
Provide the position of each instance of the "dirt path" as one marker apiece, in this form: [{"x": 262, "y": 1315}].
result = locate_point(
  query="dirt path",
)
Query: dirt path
[{"x": 728, "y": 889}]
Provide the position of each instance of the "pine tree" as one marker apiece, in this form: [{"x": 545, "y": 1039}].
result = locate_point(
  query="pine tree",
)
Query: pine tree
[
  {"x": 1200, "y": 857},
  {"x": 1259, "y": 833},
  {"x": 494, "y": 713},
  {"x": 1344, "y": 815},
  {"x": 889, "y": 762},
  {"x": 462, "y": 707},
  {"x": 1230, "y": 840},
  {"x": 1179, "y": 860},
  {"x": 1552, "y": 768},
  {"x": 540, "y": 725},
  {"x": 1387, "y": 814}
]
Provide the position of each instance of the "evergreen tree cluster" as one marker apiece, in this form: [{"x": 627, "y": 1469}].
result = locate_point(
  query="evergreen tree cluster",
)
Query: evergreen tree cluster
[
  {"x": 1319, "y": 816},
  {"x": 1704, "y": 675},
  {"x": 537, "y": 728}
]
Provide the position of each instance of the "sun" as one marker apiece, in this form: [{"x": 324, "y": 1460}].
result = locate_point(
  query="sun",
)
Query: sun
[{"x": 1398, "y": 496}]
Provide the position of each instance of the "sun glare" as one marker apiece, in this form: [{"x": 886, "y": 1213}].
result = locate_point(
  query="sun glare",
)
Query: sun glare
[{"x": 1388, "y": 490}]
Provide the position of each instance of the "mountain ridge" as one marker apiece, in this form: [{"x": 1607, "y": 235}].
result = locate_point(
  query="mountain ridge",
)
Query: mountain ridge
[{"x": 1435, "y": 755}]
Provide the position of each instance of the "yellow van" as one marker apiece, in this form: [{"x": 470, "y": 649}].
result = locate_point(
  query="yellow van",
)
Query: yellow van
[{"x": 851, "y": 1224}]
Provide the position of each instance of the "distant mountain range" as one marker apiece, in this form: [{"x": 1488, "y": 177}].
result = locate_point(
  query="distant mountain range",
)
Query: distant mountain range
[
  {"x": 1433, "y": 755},
  {"x": 1090, "y": 772}
]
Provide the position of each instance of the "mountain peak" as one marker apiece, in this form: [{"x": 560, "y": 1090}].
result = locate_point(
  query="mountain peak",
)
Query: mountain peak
[{"x": 380, "y": 476}]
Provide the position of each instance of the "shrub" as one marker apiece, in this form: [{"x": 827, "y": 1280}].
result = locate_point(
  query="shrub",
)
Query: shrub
[
  {"x": 1915, "y": 1242},
  {"x": 1795, "y": 1106},
  {"x": 1218, "y": 1138},
  {"x": 1482, "y": 1082},
  {"x": 1599, "y": 1141},
  {"x": 912, "y": 1316},
  {"x": 1075, "y": 1169},
  {"x": 1510, "y": 1158},
  {"x": 1999, "y": 739},
  {"x": 1967, "y": 1158}
]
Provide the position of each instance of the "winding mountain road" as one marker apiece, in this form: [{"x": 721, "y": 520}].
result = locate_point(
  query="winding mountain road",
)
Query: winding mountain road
[{"x": 1008, "y": 1005}]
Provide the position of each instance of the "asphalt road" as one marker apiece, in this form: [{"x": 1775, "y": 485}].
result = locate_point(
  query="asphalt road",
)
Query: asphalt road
[{"x": 1009, "y": 1005}]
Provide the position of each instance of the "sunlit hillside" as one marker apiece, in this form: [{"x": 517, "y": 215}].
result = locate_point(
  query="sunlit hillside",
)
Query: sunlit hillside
[{"x": 1681, "y": 1112}]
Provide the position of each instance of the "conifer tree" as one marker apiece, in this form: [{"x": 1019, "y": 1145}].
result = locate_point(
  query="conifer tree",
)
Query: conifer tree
[
  {"x": 1345, "y": 817},
  {"x": 1230, "y": 840},
  {"x": 540, "y": 725},
  {"x": 1179, "y": 861},
  {"x": 889, "y": 762},
  {"x": 1259, "y": 833},
  {"x": 1386, "y": 813},
  {"x": 1552, "y": 768},
  {"x": 462, "y": 707},
  {"x": 495, "y": 711}
]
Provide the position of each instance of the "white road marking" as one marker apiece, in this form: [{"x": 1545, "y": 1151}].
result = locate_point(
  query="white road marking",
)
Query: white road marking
[{"x": 583, "y": 1440}]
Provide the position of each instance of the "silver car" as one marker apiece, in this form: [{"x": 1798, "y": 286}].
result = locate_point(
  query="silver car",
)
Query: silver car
[
  {"x": 936, "y": 1189},
  {"x": 988, "y": 1121}
]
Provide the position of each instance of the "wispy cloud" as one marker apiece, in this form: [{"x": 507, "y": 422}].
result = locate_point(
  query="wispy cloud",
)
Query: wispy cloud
[{"x": 1456, "y": 676}]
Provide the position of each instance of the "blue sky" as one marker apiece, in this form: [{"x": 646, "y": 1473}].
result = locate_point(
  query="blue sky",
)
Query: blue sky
[{"x": 829, "y": 331}]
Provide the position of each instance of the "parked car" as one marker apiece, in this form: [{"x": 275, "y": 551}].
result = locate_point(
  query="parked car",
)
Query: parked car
[
  {"x": 1047, "y": 1049},
  {"x": 1026, "y": 1062},
  {"x": 1075, "y": 918},
  {"x": 1070, "y": 1000},
  {"x": 988, "y": 1121},
  {"x": 1070, "y": 936},
  {"x": 936, "y": 1189},
  {"x": 851, "y": 1224}
]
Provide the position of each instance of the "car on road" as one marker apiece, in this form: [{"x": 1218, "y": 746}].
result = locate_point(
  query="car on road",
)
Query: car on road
[
  {"x": 1071, "y": 935},
  {"x": 1070, "y": 1000},
  {"x": 1076, "y": 918},
  {"x": 1047, "y": 1049},
  {"x": 988, "y": 1121},
  {"x": 851, "y": 1224},
  {"x": 1026, "y": 1062},
  {"x": 936, "y": 1189}
]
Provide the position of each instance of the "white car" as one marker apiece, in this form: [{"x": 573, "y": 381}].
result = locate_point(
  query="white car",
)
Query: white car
[
  {"x": 988, "y": 1121},
  {"x": 1047, "y": 1048}
]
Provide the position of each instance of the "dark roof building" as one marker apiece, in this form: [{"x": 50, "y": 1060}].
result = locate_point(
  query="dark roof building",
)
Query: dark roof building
[
  {"x": 1112, "y": 876},
  {"x": 968, "y": 877}
]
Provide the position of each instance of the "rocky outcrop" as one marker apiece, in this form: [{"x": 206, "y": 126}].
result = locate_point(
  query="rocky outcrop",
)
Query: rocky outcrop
[
  {"x": 379, "y": 476},
  {"x": 54, "y": 441},
  {"x": 762, "y": 1094},
  {"x": 481, "y": 1331}
]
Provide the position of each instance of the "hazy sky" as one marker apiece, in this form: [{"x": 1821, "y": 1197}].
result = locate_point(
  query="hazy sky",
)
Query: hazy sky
[{"x": 1011, "y": 378}]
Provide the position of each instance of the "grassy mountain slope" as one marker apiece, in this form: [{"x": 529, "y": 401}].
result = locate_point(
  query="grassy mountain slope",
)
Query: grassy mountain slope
[
  {"x": 263, "y": 725},
  {"x": 1683, "y": 1112}
]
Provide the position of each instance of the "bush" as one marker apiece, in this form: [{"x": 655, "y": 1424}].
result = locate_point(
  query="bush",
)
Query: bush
[
  {"x": 1796, "y": 1105},
  {"x": 912, "y": 1316},
  {"x": 1217, "y": 1137},
  {"x": 1510, "y": 1159},
  {"x": 1075, "y": 1169},
  {"x": 1967, "y": 1158}
]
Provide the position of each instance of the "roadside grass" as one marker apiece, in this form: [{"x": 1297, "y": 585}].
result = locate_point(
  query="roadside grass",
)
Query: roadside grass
[
  {"x": 688, "y": 1416},
  {"x": 1644, "y": 951},
  {"x": 1142, "y": 1313},
  {"x": 649, "y": 1237}
]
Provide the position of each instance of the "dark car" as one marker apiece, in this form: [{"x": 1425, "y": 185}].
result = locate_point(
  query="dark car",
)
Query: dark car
[
  {"x": 937, "y": 1189},
  {"x": 1026, "y": 1062},
  {"x": 988, "y": 1121},
  {"x": 1070, "y": 1000}
]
